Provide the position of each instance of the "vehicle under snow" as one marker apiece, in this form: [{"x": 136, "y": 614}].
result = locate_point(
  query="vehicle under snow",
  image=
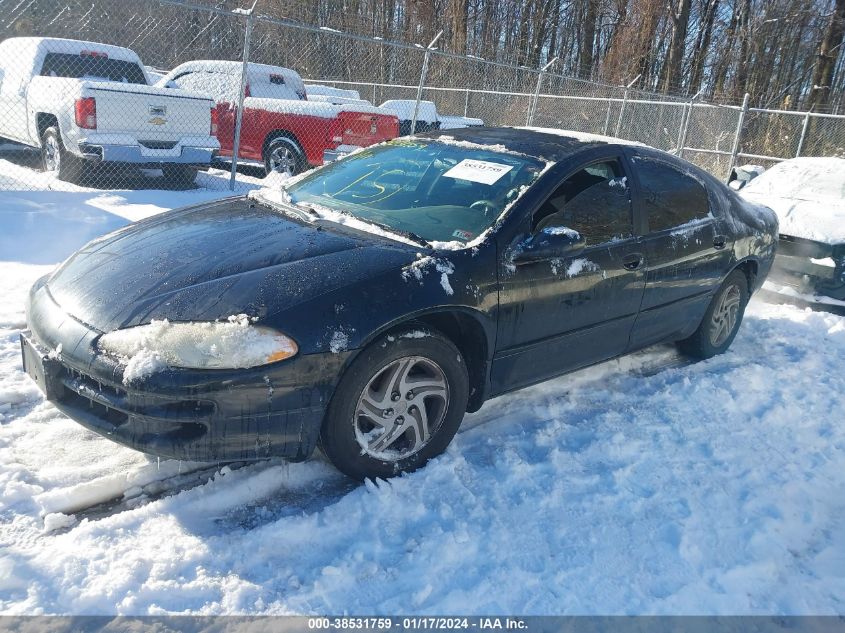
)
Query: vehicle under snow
[
  {"x": 808, "y": 196},
  {"x": 428, "y": 118}
]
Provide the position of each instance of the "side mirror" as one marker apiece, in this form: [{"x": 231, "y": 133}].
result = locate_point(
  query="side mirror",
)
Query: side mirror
[{"x": 548, "y": 244}]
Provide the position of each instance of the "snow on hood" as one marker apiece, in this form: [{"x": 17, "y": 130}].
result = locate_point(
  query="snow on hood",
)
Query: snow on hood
[{"x": 808, "y": 196}]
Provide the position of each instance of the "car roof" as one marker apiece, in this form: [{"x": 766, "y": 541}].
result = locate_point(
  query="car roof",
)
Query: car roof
[{"x": 546, "y": 143}]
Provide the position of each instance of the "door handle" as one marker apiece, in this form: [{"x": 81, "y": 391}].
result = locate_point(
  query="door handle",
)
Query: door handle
[
  {"x": 632, "y": 261},
  {"x": 719, "y": 242}
]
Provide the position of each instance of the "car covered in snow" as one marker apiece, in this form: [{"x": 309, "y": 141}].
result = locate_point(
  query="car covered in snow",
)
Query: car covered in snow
[
  {"x": 372, "y": 302},
  {"x": 86, "y": 103},
  {"x": 428, "y": 118},
  {"x": 808, "y": 196},
  {"x": 281, "y": 129}
]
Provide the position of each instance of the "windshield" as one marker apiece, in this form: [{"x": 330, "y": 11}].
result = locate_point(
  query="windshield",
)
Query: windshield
[
  {"x": 802, "y": 179},
  {"x": 437, "y": 191}
]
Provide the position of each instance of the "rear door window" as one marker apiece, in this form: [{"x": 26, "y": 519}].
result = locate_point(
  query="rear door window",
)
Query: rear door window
[
  {"x": 670, "y": 197},
  {"x": 594, "y": 201},
  {"x": 94, "y": 66}
]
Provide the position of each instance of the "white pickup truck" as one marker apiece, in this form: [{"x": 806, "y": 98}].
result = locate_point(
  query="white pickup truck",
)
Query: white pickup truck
[{"x": 83, "y": 103}]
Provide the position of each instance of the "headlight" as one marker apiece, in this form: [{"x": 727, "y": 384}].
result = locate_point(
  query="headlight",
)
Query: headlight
[{"x": 232, "y": 344}]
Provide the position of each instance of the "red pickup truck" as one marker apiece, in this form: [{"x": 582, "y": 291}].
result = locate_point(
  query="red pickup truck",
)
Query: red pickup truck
[{"x": 281, "y": 129}]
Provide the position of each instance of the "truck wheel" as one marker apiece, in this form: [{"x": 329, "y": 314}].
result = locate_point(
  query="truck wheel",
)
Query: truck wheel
[
  {"x": 284, "y": 156},
  {"x": 56, "y": 159},
  {"x": 398, "y": 405},
  {"x": 180, "y": 176}
]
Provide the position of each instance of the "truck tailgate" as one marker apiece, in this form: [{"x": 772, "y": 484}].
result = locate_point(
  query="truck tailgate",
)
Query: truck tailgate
[
  {"x": 150, "y": 113},
  {"x": 365, "y": 128}
]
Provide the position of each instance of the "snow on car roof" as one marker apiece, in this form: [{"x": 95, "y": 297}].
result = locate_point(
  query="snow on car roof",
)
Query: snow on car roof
[
  {"x": 256, "y": 72},
  {"x": 583, "y": 137},
  {"x": 34, "y": 45},
  {"x": 320, "y": 89}
]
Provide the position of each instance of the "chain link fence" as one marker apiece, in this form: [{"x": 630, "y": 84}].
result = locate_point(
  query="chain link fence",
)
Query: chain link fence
[{"x": 176, "y": 106}]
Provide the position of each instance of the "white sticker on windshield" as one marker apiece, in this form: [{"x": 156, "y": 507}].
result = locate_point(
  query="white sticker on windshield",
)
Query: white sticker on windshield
[{"x": 478, "y": 171}]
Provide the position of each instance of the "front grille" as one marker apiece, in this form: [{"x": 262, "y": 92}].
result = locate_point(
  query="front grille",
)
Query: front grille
[
  {"x": 112, "y": 416},
  {"x": 82, "y": 388},
  {"x": 159, "y": 144}
]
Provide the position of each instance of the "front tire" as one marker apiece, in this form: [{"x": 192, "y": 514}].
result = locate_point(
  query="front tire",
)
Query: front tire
[
  {"x": 56, "y": 159},
  {"x": 284, "y": 156},
  {"x": 721, "y": 322},
  {"x": 398, "y": 405}
]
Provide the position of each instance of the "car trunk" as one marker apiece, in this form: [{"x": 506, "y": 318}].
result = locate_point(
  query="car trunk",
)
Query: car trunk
[{"x": 150, "y": 113}]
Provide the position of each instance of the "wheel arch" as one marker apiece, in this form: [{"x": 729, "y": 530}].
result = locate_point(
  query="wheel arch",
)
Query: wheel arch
[
  {"x": 466, "y": 329},
  {"x": 43, "y": 120},
  {"x": 280, "y": 133},
  {"x": 750, "y": 267}
]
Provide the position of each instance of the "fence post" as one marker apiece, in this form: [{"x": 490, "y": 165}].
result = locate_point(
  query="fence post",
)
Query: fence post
[
  {"x": 624, "y": 103},
  {"x": 466, "y": 103},
  {"x": 682, "y": 139},
  {"x": 532, "y": 108},
  {"x": 803, "y": 134},
  {"x": 423, "y": 73},
  {"x": 735, "y": 148},
  {"x": 236, "y": 145},
  {"x": 607, "y": 118}
]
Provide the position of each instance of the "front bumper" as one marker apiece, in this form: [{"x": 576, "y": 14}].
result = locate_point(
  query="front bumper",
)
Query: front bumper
[
  {"x": 809, "y": 268},
  {"x": 196, "y": 415}
]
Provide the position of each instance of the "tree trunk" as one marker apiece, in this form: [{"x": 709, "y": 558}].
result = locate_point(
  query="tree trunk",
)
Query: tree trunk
[
  {"x": 588, "y": 38},
  {"x": 458, "y": 16},
  {"x": 674, "y": 62},
  {"x": 830, "y": 48}
]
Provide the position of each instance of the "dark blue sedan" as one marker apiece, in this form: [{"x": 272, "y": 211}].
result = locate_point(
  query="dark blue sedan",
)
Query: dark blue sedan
[{"x": 371, "y": 303}]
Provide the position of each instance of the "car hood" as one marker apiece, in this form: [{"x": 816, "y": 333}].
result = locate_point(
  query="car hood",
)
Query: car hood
[
  {"x": 818, "y": 220},
  {"x": 213, "y": 260}
]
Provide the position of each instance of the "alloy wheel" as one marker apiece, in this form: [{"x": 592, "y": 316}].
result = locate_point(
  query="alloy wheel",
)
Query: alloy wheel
[
  {"x": 724, "y": 318},
  {"x": 401, "y": 408},
  {"x": 283, "y": 160}
]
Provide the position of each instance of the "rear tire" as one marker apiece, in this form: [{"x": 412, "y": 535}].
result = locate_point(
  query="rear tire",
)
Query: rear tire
[
  {"x": 721, "y": 322},
  {"x": 56, "y": 159},
  {"x": 283, "y": 155},
  {"x": 398, "y": 405},
  {"x": 180, "y": 176}
]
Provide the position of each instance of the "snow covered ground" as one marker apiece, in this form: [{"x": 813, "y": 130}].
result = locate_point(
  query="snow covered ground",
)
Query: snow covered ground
[{"x": 643, "y": 485}]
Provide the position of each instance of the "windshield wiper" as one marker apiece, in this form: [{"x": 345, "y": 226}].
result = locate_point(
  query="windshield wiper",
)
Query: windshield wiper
[
  {"x": 406, "y": 234},
  {"x": 410, "y": 235}
]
